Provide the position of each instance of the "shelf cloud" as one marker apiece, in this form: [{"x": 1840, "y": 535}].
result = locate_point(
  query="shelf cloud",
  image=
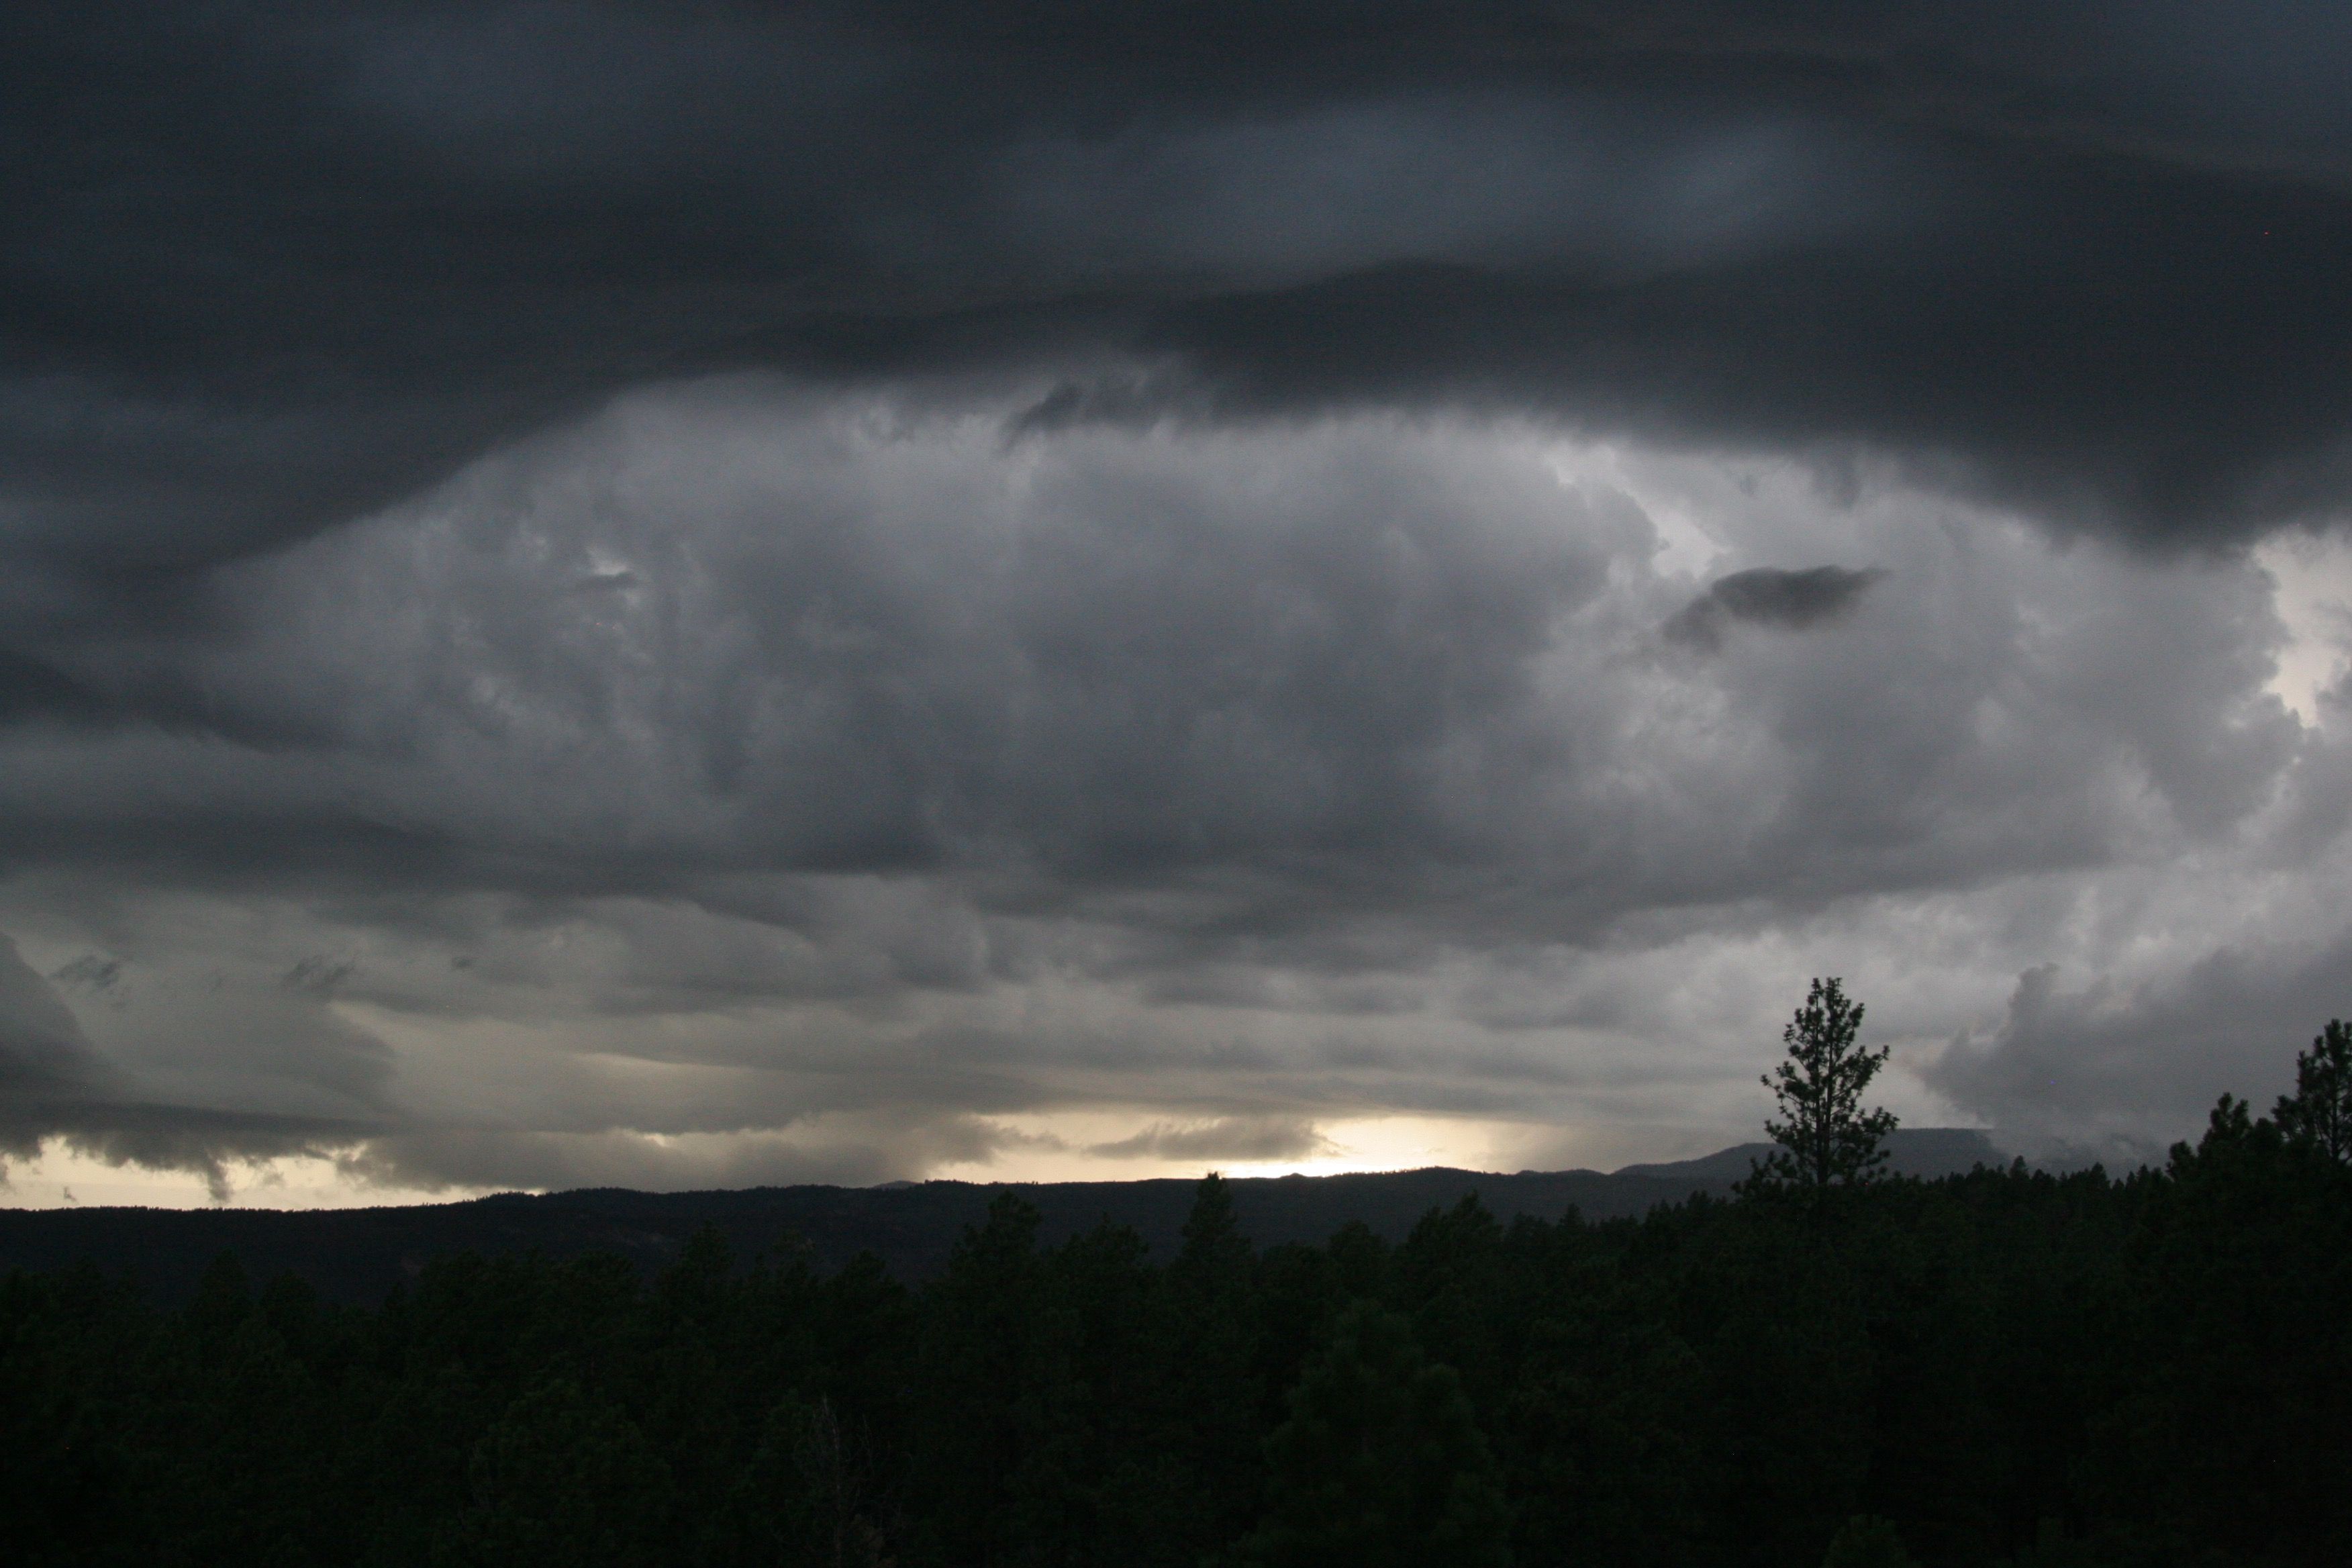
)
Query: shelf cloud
[{"x": 673, "y": 594}]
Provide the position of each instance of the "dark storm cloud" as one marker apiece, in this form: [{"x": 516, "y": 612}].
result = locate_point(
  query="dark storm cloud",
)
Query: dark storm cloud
[
  {"x": 1265, "y": 675},
  {"x": 1068, "y": 542},
  {"x": 32, "y": 690},
  {"x": 270, "y": 266},
  {"x": 739, "y": 631},
  {"x": 53, "y": 1081},
  {"x": 1114, "y": 660},
  {"x": 1770, "y": 596},
  {"x": 43, "y": 1056},
  {"x": 749, "y": 753}
]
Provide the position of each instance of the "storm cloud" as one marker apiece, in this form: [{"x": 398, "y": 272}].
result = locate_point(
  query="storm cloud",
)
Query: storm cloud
[
  {"x": 271, "y": 266},
  {"x": 722, "y": 593}
]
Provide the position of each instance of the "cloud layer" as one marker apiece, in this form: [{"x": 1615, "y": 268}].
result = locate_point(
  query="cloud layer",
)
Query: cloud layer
[
  {"x": 680, "y": 593},
  {"x": 272, "y": 266},
  {"x": 833, "y": 782}
]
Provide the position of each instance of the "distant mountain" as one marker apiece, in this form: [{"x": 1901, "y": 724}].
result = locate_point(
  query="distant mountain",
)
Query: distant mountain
[
  {"x": 359, "y": 1255},
  {"x": 1923, "y": 1152}
]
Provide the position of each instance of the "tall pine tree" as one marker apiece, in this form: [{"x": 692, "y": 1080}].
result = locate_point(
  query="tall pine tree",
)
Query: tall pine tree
[{"x": 1825, "y": 1136}]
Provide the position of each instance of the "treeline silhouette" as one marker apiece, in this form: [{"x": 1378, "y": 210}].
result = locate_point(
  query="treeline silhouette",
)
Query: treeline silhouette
[
  {"x": 2007, "y": 1367},
  {"x": 358, "y": 1254}
]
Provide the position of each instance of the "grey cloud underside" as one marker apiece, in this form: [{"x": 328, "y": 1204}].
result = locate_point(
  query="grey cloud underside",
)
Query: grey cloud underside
[
  {"x": 1233, "y": 1137},
  {"x": 1239, "y": 680},
  {"x": 822, "y": 776},
  {"x": 43, "y": 1056},
  {"x": 750, "y": 534},
  {"x": 54, "y": 1082}
]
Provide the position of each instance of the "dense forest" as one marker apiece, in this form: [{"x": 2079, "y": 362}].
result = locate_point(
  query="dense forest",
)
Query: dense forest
[{"x": 2005, "y": 1367}]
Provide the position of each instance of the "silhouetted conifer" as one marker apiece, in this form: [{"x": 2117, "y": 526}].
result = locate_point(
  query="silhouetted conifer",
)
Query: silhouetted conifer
[
  {"x": 2319, "y": 1111},
  {"x": 1825, "y": 1136}
]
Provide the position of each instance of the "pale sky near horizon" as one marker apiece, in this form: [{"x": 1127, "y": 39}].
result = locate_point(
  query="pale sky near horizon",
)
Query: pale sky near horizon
[{"x": 698, "y": 596}]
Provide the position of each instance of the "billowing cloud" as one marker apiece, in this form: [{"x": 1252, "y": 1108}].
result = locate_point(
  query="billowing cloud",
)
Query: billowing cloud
[
  {"x": 664, "y": 595},
  {"x": 2107, "y": 1063},
  {"x": 757, "y": 782}
]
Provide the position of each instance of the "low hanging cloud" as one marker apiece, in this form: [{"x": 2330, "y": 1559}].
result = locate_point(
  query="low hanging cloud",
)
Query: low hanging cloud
[
  {"x": 55, "y": 1083},
  {"x": 47, "y": 1065},
  {"x": 1226, "y": 1138},
  {"x": 2100, "y": 1063}
]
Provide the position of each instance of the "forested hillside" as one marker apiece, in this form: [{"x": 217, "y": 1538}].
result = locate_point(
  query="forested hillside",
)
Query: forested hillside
[
  {"x": 356, "y": 1256},
  {"x": 2001, "y": 1367}
]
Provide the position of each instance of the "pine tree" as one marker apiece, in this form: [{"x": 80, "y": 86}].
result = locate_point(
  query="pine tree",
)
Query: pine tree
[
  {"x": 2319, "y": 1111},
  {"x": 1216, "y": 1393},
  {"x": 1825, "y": 1136},
  {"x": 564, "y": 1479},
  {"x": 1381, "y": 1463}
]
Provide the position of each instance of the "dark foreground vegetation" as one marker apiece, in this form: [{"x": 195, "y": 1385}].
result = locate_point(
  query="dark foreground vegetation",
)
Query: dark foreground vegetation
[
  {"x": 357, "y": 1256},
  {"x": 2004, "y": 1367}
]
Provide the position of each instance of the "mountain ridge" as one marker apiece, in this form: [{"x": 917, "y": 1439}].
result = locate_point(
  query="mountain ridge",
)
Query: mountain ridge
[{"x": 360, "y": 1255}]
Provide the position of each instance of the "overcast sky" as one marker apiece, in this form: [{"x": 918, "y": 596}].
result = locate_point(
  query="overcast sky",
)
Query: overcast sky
[{"x": 708, "y": 593}]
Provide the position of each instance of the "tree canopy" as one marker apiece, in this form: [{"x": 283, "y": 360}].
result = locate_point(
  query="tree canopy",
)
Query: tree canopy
[{"x": 2319, "y": 1111}]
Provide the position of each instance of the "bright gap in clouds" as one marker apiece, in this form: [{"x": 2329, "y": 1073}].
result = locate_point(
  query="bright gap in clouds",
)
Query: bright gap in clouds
[
  {"x": 64, "y": 1177},
  {"x": 2313, "y": 573},
  {"x": 1033, "y": 1149}
]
